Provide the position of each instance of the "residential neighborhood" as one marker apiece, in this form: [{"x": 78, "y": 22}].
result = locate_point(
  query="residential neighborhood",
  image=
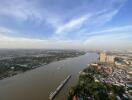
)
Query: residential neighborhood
[{"x": 112, "y": 72}]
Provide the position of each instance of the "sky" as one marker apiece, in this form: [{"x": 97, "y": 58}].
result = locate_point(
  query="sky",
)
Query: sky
[{"x": 66, "y": 24}]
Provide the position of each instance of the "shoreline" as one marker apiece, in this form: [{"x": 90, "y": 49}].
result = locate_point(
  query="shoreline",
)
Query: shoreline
[{"x": 42, "y": 65}]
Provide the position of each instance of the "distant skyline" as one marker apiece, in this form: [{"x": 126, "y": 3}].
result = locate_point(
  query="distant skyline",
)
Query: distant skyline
[{"x": 66, "y": 24}]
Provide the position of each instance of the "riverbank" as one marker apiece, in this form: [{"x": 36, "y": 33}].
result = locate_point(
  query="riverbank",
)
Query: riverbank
[
  {"x": 102, "y": 81},
  {"x": 90, "y": 88},
  {"x": 37, "y": 84},
  {"x": 13, "y": 65}
]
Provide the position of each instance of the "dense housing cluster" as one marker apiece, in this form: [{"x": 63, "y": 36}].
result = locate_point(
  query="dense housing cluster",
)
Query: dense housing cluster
[{"x": 107, "y": 79}]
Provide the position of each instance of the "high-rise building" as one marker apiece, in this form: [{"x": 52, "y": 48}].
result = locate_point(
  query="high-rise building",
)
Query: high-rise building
[
  {"x": 102, "y": 57},
  {"x": 110, "y": 59}
]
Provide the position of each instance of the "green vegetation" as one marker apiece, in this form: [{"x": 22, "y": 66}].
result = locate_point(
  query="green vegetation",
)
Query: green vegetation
[
  {"x": 26, "y": 61},
  {"x": 87, "y": 88}
]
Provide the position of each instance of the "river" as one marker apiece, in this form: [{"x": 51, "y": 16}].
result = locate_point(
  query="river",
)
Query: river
[{"x": 38, "y": 83}]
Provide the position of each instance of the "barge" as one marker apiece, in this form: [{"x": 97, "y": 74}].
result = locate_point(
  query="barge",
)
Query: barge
[{"x": 53, "y": 94}]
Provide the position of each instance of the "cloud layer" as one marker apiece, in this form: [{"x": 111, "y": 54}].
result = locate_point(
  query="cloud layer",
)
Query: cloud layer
[{"x": 58, "y": 23}]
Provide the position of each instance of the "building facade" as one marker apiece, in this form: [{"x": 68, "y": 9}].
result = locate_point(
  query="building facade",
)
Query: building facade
[
  {"x": 110, "y": 59},
  {"x": 102, "y": 57}
]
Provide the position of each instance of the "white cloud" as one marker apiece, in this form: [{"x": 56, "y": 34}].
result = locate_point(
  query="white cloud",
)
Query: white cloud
[
  {"x": 30, "y": 10},
  {"x": 101, "y": 19},
  {"x": 4, "y": 30},
  {"x": 108, "y": 42},
  {"x": 9, "y": 41},
  {"x": 88, "y": 22},
  {"x": 49, "y": 43},
  {"x": 115, "y": 30},
  {"x": 72, "y": 24},
  {"x": 91, "y": 18},
  {"x": 112, "y": 38}
]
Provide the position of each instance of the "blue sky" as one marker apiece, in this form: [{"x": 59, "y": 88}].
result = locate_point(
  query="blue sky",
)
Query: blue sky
[{"x": 88, "y": 24}]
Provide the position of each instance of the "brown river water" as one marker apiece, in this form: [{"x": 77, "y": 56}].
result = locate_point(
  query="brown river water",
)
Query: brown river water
[{"x": 37, "y": 84}]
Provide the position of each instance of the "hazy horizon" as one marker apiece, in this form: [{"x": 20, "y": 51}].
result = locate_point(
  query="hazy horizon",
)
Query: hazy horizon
[{"x": 66, "y": 24}]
